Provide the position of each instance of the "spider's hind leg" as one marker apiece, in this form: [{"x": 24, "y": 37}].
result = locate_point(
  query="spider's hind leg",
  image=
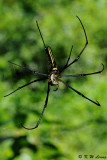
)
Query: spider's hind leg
[
  {"x": 65, "y": 66},
  {"x": 75, "y": 60},
  {"x": 85, "y": 43}
]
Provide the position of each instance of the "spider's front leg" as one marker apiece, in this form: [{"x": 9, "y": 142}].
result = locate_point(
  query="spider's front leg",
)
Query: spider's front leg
[
  {"x": 37, "y": 80},
  {"x": 46, "y": 101},
  {"x": 97, "y": 103}
]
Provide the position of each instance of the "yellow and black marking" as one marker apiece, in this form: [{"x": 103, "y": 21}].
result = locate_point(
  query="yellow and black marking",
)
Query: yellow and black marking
[
  {"x": 51, "y": 58},
  {"x": 55, "y": 69}
]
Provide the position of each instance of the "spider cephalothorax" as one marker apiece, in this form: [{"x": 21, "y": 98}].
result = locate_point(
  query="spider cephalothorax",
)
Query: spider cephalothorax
[{"x": 54, "y": 75}]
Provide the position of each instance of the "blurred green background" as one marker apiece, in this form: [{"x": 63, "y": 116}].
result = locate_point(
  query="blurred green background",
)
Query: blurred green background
[{"x": 71, "y": 126}]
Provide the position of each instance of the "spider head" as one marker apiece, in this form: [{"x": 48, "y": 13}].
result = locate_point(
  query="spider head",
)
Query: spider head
[{"x": 54, "y": 79}]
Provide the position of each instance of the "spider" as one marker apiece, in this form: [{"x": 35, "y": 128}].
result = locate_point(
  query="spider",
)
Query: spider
[{"x": 54, "y": 74}]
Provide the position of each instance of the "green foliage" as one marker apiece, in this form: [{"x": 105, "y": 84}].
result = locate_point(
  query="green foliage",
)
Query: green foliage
[{"x": 71, "y": 125}]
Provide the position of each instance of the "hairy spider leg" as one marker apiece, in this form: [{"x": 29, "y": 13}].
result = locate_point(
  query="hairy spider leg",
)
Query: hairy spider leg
[
  {"x": 48, "y": 50},
  {"x": 97, "y": 103},
  {"x": 41, "y": 35},
  {"x": 83, "y": 47},
  {"x": 29, "y": 70},
  {"x": 46, "y": 101},
  {"x": 67, "y": 60},
  {"x": 80, "y": 75},
  {"x": 25, "y": 86}
]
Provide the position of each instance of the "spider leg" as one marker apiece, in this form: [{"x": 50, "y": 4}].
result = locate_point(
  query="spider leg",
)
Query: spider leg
[
  {"x": 57, "y": 87},
  {"x": 27, "y": 69},
  {"x": 80, "y": 75},
  {"x": 46, "y": 101},
  {"x": 67, "y": 61},
  {"x": 25, "y": 86},
  {"x": 97, "y": 103},
  {"x": 83, "y": 47},
  {"x": 41, "y": 35}
]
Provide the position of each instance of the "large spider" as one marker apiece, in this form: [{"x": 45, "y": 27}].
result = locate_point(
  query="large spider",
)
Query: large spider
[{"x": 54, "y": 75}]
